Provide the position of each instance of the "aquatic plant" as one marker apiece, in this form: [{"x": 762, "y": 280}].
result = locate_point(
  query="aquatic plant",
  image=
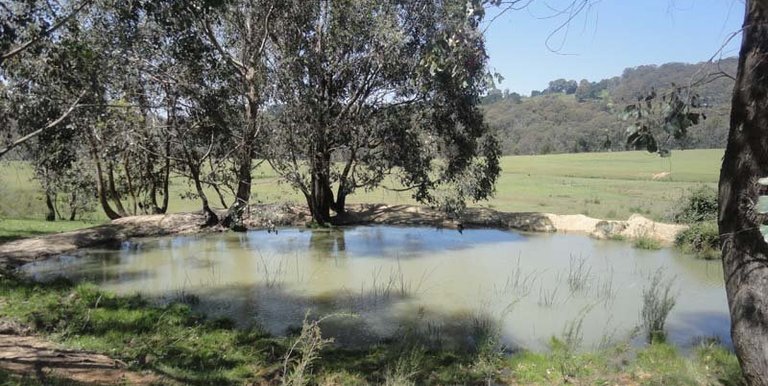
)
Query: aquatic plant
[
  {"x": 517, "y": 283},
  {"x": 578, "y": 273},
  {"x": 547, "y": 297},
  {"x": 604, "y": 290},
  {"x": 658, "y": 301}
]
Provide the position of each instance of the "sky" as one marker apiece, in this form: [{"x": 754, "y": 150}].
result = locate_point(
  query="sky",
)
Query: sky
[{"x": 606, "y": 37}]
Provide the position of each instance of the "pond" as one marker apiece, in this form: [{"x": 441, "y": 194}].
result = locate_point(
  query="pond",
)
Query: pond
[{"x": 381, "y": 282}]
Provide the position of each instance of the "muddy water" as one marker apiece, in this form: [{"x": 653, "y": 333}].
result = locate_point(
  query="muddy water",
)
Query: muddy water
[{"x": 389, "y": 281}]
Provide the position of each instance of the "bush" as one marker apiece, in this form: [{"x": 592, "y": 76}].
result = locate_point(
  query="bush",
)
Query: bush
[
  {"x": 702, "y": 239},
  {"x": 699, "y": 205}
]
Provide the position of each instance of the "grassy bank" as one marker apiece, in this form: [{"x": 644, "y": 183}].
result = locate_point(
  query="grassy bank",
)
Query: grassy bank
[
  {"x": 603, "y": 185},
  {"x": 174, "y": 341}
]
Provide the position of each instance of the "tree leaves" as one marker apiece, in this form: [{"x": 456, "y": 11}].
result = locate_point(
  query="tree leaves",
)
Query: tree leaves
[
  {"x": 762, "y": 207},
  {"x": 659, "y": 119}
]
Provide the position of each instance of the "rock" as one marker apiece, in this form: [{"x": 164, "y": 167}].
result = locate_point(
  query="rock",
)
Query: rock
[{"x": 607, "y": 229}]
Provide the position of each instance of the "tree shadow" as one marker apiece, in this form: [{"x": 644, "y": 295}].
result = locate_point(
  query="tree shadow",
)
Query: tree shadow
[{"x": 701, "y": 326}]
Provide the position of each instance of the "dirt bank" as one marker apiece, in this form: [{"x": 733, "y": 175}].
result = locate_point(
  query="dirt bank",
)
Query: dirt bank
[
  {"x": 42, "y": 360},
  {"x": 267, "y": 216}
]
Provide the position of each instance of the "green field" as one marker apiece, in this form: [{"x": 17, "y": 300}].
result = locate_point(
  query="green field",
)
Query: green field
[{"x": 603, "y": 185}]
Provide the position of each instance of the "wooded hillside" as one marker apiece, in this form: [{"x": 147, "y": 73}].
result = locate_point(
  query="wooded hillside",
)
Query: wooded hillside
[{"x": 582, "y": 116}]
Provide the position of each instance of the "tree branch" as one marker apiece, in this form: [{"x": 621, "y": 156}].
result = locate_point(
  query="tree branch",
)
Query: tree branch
[
  {"x": 42, "y": 129},
  {"x": 15, "y": 51}
]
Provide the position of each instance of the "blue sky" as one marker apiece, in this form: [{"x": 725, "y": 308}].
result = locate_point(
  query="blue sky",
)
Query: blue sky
[{"x": 606, "y": 38}]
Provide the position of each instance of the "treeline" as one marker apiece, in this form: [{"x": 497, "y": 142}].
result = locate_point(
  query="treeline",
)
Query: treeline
[
  {"x": 583, "y": 116},
  {"x": 108, "y": 99}
]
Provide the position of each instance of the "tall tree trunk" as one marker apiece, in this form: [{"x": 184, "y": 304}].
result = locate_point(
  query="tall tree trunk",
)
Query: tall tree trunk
[
  {"x": 152, "y": 200},
  {"x": 167, "y": 171},
  {"x": 321, "y": 195},
  {"x": 243, "y": 195},
  {"x": 745, "y": 253},
  {"x": 341, "y": 202},
  {"x": 100, "y": 189},
  {"x": 220, "y": 194},
  {"x": 129, "y": 182},
  {"x": 245, "y": 161},
  {"x": 166, "y": 184},
  {"x": 210, "y": 216},
  {"x": 51, "y": 215},
  {"x": 73, "y": 206},
  {"x": 113, "y": 190}
]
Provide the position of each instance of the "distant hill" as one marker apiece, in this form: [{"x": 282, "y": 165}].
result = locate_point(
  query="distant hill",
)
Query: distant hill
[{"x": 581, "y": 116}]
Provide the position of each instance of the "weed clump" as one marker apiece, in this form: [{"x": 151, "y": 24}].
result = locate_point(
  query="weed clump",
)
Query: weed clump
[
  {"x": 645, "y": 241},
  {"x": 658, "y": 302}
]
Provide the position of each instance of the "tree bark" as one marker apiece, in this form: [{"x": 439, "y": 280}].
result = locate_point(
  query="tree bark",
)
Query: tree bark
[
  {"x": 73, "y": 206},
  {"x": 113, "y": 190},
  {"x": 51, "y": 215},
  {"x": 244, "y": 179},
  {"x": 321, "y": 195},
  {"x": 100, "y": 189},
  {"x": 745, "y": 253},
  {"x": 210, "y": 216},
  {"x": 166, "y": 178}
]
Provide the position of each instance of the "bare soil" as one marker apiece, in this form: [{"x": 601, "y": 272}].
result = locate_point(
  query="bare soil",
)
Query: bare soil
[{"x": 35, "y": 357}]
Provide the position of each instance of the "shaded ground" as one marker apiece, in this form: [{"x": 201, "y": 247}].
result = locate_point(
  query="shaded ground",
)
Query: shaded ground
[
  {"x": 19, "y": 252},
  {"x": 30, "y": 355}
]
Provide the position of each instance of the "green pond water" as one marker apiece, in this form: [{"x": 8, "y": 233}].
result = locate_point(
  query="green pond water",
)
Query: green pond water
[{"x": 385, "y": 282}]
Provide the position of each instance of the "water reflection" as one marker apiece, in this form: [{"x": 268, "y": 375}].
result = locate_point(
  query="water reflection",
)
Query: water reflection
[{"x": 436, "y": 281}]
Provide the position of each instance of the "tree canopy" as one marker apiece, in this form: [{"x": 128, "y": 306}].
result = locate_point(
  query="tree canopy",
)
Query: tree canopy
[{"x": 335, "y": 95}]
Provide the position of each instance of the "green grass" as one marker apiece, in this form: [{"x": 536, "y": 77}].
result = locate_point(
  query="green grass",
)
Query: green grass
[
  {"x": 603, "y": 185},
  {"x": 646, "y": 242},
  {"x": 12, "y": 229}
]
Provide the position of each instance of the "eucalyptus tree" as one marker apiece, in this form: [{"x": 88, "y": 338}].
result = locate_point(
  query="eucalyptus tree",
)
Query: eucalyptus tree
[
  {"x": 367, "y": 89},
  {"x": 239, "y": 32},
  {"x": 46, "y": 90},
  {"x": 23, "y": 23},
  {"x": 742, "y": 209},
  {"x": 28, "y": 30}
]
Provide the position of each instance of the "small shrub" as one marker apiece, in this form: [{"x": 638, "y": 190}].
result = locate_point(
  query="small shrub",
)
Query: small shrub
[
  {"x": 701, "y": 239},
  {"x": 658, "y": 301},
  {"x": 645, "y": 241},
  {"x": 405, "y": 369},
  {"x": 298, "y": 361},
  {"x": 699, "y": 205}
]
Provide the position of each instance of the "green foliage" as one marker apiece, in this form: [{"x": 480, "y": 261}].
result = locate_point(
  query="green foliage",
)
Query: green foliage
[
  {"x": 562, "y": 123},
  {"x": 406, "y": 105},
  {"x": 700, "y": 204},
  {"x": 646, "y": 241},
  {"x": 657, "y": 120},
  {"x": 701, "y": 238}
]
